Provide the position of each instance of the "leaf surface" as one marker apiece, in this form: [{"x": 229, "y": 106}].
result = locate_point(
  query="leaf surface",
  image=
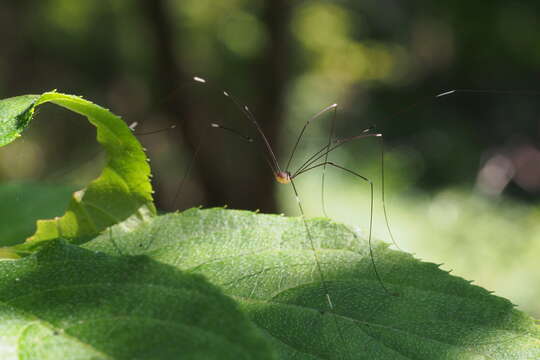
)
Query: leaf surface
[
  {"x": 65, "y": 302},
  {"x": 122, "y": 193},
  {"x": 265, "y": 262},
  {"x": 15, "y": 115}
]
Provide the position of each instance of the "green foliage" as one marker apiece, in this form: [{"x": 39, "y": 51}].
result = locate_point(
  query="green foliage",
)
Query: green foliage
[
  {"x": 122, "y": 193},
  {"x": 266, "y": 263},
  {"x": 185, "y": 284},
  {"x": 65, "y": 302}
]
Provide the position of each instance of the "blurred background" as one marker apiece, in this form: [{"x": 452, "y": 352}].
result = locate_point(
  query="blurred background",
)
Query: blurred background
[{"x": 462, "y": 171}]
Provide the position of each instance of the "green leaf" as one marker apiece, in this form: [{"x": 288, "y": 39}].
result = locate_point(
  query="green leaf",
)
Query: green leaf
[
  {"x": 15, "y": 115},
  {"x": 122, "y": 193},
  {"x": 65, "y": 302},
  {"x": 266, "y": 263},
  {"x": 23, "y": 203}
]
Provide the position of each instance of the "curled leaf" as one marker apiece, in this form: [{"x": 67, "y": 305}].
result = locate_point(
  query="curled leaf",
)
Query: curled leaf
[{"x": 121, "y": 194}]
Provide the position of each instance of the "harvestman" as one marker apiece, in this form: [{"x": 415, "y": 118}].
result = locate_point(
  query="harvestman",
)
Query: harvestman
[
  {"x": 320, "y": 159},
  {"x": 317, "y": 160}
]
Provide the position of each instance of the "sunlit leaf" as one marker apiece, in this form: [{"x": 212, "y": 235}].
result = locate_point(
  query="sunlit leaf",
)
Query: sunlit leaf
[{"x": 266, "y": 263}]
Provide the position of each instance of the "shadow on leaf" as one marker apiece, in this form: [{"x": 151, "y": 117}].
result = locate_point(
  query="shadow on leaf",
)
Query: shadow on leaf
[{"x": 66, "y": 302}]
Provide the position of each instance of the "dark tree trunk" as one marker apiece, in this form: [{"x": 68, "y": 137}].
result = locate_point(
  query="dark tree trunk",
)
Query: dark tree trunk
[
  {"x": 271, "y": 79},
  {"x": 257, "y": 193},
  {"x": 169, "y": 74}
]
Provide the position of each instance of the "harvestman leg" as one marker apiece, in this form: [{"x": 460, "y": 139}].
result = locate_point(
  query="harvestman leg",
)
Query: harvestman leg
[
  {"x": 318, "y": 263},
  {"x": 325, "y": 151},
  {"x": 311, "y": 243},
  {"x": 339, "y": 142},
  {"x": 329, "y": 163},
  {"x": 189, "y": 167},
  {"x": 330, "y": 137}
]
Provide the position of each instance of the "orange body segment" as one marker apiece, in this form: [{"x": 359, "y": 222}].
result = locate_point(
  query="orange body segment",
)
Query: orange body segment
[{"x": 283, "y": 177}]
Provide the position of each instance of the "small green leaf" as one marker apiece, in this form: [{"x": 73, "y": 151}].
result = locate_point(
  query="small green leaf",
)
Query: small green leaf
[
  {"x": 122, "y": 193},
  {"x": 15, "y": 115},
  {"x": 65, "y": 302},
  {"x": 266, "y": 263}
]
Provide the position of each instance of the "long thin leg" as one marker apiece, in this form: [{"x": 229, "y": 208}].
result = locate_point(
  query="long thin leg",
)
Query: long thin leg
[
  {"x": 379, "y": 279},
  {"x": 331, "y": 135},
  {"x": 313, "y": 158},
  {"x": 317, "y": 262},
  {"x": 150, "y": 132},
  {"x": 186, "y": 173},
  {"x": 321, "y": 153},
  {"x": 382, "y": 167},
  {"x": 244, "y": 109},
  {"x": 314, "y": 117},
  {"x": 243, "y": 137},
  {"x": 381, "y": 142}
]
